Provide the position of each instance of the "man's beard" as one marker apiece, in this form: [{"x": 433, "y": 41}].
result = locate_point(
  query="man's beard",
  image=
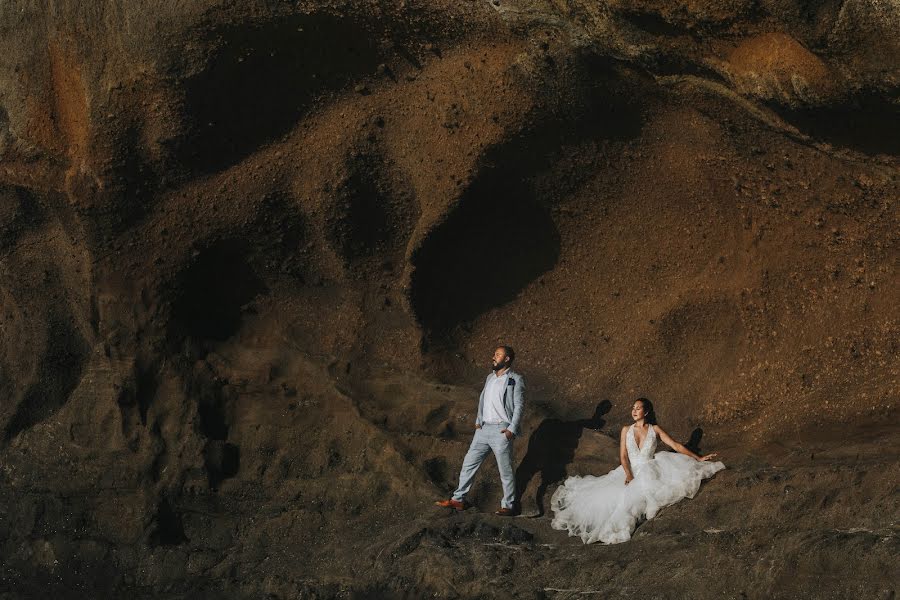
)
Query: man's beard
[{"x": 499, "y": 366}]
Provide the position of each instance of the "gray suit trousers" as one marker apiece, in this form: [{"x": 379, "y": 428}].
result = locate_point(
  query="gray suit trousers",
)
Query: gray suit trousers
[{"x": 487, "y": 439}]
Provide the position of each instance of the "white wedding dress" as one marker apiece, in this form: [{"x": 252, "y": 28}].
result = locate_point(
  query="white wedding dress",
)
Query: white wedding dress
[{"x": 604, "y": 509}]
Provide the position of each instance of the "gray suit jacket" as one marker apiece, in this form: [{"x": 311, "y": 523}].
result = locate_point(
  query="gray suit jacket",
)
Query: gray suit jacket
[{"x": 513, "y": 400}]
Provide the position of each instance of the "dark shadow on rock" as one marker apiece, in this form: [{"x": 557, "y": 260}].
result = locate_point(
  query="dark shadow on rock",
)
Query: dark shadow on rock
[
  {"x": 222, "y": 461},
  {"x": 212, "y": 408},
  {"x": 655, "y": 24},
  {"x": 20, "y": 213},
  {"x": 262, "y": 78},
  {"x": 168, "y": 529},
  {"x": 213, "y": 291},
  {"x": 136, "y": 396},
  {"x": 372, "y": 215},
  {"x": 58, "y": 374},
  {"x": 860, "y": 124},
  {"x": 693, "y": 444},
  {"x": 497, "y": 241},
  {"x": 501, "y": 235},
  {"x": 551, "y": 448},
  {"x": 221, "y": 458},
  {"x": 436, "y": 469}
]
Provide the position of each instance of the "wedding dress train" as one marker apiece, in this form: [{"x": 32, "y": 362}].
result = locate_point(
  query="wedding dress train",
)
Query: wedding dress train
[{"x": 604, "y": 509}]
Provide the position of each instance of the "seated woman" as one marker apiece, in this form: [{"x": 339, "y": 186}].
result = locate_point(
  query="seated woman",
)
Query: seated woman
[{"x": 606, "y": 508}]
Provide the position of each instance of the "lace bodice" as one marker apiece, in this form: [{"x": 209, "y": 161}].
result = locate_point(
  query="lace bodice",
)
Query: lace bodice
[{"x": 640, "y": 455}]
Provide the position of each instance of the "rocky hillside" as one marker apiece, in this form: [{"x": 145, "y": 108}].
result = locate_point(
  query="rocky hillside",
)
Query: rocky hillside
[{"x": 255, "y": 257}]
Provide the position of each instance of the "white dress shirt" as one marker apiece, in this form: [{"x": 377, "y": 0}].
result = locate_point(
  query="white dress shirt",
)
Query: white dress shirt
[{"x": 494, "y": 411}]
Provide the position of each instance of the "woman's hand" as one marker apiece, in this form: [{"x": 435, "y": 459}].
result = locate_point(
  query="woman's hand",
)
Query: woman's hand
[
  {"x": 708, "y": 457},
  {"x": 628, "y": 478}
]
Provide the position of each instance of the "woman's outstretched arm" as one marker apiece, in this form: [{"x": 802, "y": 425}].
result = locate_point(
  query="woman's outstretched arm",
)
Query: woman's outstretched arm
[
  {"x": 679, "y": 447},
  {"x": 623, "y": 456}
]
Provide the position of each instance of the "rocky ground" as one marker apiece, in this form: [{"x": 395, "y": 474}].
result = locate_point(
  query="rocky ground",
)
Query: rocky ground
[{"x": 254, "y": 258}]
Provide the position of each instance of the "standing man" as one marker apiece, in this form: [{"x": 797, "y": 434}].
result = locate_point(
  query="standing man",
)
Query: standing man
[{"x": 496, "y": 424}]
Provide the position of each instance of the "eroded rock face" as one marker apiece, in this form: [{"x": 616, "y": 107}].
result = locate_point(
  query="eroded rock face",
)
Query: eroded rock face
[{"x": 253, "y": 261}]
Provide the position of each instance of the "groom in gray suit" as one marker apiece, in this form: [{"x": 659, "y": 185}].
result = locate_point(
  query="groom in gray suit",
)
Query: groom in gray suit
[{"x": 496, "y": 424}]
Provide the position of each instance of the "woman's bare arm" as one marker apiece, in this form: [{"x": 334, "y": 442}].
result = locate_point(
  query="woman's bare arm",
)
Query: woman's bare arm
[
  {"x": 679, "y": 447},
  {"x": 623, "y": 456}
]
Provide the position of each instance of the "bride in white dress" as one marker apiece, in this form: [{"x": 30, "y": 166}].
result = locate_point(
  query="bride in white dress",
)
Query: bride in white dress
[{"x": 606, "y": 508}]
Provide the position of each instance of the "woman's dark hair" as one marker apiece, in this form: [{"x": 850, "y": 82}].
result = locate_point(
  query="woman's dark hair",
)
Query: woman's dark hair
[{"x": 649, "y": 413}]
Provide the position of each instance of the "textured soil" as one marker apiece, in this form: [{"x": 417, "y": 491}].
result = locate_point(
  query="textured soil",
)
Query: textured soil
[{"x": 255, "y": 257}]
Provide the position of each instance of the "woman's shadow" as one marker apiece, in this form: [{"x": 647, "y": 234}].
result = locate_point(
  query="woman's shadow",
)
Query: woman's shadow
[
  {"x": 551, "y": 449},
  {"x": 693, "y": 444}
]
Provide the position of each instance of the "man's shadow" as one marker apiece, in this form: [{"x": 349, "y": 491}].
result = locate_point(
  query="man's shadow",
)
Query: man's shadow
[{"x": 550, "y": 450}]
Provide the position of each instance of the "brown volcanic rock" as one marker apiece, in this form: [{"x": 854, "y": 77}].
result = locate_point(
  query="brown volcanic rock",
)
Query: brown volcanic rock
[
  {"x": 776, "y": 67},
  {"x": 867, "y": 34},
  {"x": 253, "y": 259},
  {"x": 688, "y": 14}
]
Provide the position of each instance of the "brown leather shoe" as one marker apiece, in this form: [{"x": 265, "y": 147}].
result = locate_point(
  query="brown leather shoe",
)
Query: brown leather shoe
[
  {"x": 451, "y": 503},
  {"x": 507, "y": 512}
]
